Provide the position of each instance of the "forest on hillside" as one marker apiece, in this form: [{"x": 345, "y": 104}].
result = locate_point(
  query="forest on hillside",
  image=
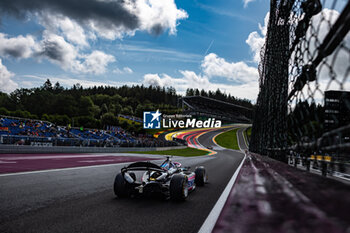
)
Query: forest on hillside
[{"x": 96, "y": 107}]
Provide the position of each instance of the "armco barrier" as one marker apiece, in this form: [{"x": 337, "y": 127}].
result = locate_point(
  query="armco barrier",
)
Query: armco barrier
[{"x": 24, "y": 149}]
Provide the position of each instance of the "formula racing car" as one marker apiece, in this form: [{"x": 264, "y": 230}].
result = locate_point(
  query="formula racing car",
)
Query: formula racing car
[{"x": 168, "y": 180}]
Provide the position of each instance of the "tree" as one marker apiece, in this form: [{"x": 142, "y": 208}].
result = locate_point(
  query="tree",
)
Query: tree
[
  {"x": 65, "y": 105},
  {"x": 87, "y": 122},
  {"x": 5, "y": 100},
  {"x": 85, "y": 106},
  {"x": 189, "y": 92},
  {"x": 109, "y": 119},
  {"x": 47, "y": 86},
  {"x": 104, "y": 108},
  {"x": 96, "y": 111},
  {"x": 196, "y": 92},
  {"x": 116, "y": 99},
  {"x": 127, "y": 110},
  {"x": 3, "y": 111},
  {"x": 139, "y": 110},
  {"x": 57, "y": 88},
  {"x": 203, "y": 93}
]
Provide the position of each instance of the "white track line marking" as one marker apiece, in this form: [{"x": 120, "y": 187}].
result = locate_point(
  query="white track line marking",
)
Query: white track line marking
[
  {"x": 86, "y": 167},
  {"x": 7, "y": 162},
  {"x": 213, "y": 216},
  {"x": 62, "y": 169}
]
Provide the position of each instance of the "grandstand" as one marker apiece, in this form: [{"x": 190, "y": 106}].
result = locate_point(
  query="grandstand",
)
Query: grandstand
[
  {"x": 131, "y": 118},
  {"x": 20, "y": 131},
  {"x": 201, "y": 106}
]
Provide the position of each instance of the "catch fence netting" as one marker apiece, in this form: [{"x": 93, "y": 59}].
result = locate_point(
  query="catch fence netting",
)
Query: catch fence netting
[{"x": 303, "y": 106}]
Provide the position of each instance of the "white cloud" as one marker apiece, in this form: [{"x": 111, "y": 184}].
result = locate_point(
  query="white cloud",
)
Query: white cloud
[
  {"x": 190, "y": 79},
  {"x": 34, "y": 81},
  {"x": 125, "y": 70},
  {"x": 96, "y": 62},
  {"x": 213, "y": 65},
  {"x": 156, "y": 80},
  {"x": 109, "y": 32},
  {"x": 263, "y": 28},
  {"x": 109, "y": 19},
  {"x": 145, "y": 52},
  {"x": 70, "y": 29},
  {"x": 59, "y": 51},
  {"x": 156, "y": 16},
  {"x": 153, "y": 16},
  {"x": 246, "y": 2},
  {"x": 128, "y": 70},
  {"x": 256, "y": 39},
  {"x": 6, "y": 84},
  {"x": 18, "y": 47}
]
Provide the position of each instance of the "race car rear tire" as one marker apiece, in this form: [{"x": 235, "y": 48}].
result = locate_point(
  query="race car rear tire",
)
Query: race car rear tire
[
  {"x": 201, "y": 176},
  {"x": 121, "y": 187},
  {"x": 178, "y": 187}
]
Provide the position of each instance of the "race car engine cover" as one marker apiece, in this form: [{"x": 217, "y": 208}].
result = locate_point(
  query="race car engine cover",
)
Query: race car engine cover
[{"x": 151, "y": 188}]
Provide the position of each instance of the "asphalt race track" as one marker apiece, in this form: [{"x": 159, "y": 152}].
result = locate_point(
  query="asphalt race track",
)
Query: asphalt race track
[
  {"x": 82, "y": 199},
  {"x": 10, "y": 163}
]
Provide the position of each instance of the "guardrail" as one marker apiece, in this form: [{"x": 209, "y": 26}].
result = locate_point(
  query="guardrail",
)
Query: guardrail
[
  {"x": 26, "y": 149},
  {"x": 324, "y": 164}
]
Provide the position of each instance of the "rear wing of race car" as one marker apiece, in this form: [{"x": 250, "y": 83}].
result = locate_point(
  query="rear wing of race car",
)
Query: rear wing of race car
[{"x": 142, "y": 166}]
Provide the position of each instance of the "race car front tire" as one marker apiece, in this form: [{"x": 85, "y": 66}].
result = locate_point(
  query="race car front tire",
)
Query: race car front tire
[
  {"x": 178, "y": 187},
  {"x": 121, "y": 187},
  {"x": 201, "y": 176}
]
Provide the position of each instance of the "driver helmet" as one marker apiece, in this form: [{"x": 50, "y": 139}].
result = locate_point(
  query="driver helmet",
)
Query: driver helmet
[{"x": 165, "y": 166}]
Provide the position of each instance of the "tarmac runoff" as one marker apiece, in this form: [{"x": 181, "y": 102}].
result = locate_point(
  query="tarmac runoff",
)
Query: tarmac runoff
[{"x": 14, "y": 163}]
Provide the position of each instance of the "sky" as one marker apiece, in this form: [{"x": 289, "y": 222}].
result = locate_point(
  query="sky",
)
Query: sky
[{"x": 201, "y": 44}]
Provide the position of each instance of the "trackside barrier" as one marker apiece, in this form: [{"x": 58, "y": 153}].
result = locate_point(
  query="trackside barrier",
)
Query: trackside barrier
[
  {"x": 14, "y": 149},
  {"x": 324, "y": 164}
]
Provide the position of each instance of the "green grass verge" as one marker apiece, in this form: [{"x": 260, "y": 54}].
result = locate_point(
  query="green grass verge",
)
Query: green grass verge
[
  {"x": 187, "y": 152},
  {"x": 228, "y": 139}
]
